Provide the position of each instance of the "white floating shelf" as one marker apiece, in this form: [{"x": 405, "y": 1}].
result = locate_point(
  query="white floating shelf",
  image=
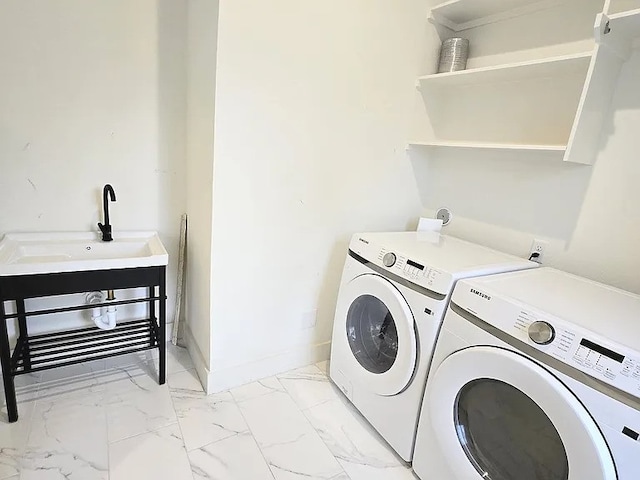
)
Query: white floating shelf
[
  {"x": 513, "y": 147},
  {"x": 548, "y": 67},
  {"x": 459, "y": 15}
]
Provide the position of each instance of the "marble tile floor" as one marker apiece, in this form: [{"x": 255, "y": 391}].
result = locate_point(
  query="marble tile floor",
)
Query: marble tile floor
[{"x": 110, "y": 420}]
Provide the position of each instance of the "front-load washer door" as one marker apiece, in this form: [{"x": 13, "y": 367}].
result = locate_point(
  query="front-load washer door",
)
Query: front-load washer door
[
  {"x": 379, "y": 331},
  {"x": 501, "y": 416}
]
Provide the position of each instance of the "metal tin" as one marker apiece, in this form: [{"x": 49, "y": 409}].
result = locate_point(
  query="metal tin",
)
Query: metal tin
[{"x": 453, "y": 55}]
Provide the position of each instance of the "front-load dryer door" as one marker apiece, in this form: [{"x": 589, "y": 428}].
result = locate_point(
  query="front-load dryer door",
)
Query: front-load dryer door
[
  {"x": 501, "y": 416},
  {"x": 379, "y": 333}
]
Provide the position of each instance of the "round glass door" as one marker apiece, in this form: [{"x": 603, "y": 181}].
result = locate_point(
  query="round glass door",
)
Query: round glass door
[
  {"x": 506, "y": 435},
  {"x": 502, "y": 416},
  {"x": 379, "y": 342},
  {"x": 372, "y": 334}
]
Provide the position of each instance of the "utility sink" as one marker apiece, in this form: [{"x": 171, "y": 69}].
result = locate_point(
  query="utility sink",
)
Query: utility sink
[{"x": 37, "y": 253}]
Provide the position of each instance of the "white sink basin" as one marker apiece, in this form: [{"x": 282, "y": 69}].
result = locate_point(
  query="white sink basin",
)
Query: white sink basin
[{"x": 34, "y": 253}]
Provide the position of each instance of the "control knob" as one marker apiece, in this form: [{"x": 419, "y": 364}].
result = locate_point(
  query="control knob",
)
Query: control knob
[
  {"x": 541, "y": 332},
  {"x": 389, "y": 259}
]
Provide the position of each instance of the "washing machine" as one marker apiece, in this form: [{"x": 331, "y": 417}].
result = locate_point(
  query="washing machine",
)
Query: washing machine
[
  {"x": 535, "y": 376},
  {"x": 392, "y": 298}
]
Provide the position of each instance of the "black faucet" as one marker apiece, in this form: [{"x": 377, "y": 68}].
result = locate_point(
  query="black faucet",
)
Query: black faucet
[{"x": 106, "y": 228}]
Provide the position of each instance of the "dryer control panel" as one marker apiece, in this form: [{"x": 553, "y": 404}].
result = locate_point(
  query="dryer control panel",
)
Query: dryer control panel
[
  {"x": 580, "y": 348},
  {"x": 584, "y": 350}
]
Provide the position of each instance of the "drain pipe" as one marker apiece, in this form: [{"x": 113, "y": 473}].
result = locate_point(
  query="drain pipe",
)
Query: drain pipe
[
  {"x": 103, "y": 321},
  {"x": 112, "y": 311}
]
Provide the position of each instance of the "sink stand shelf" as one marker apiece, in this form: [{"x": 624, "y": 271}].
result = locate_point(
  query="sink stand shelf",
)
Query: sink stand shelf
[{"x": 34, "y": 353}]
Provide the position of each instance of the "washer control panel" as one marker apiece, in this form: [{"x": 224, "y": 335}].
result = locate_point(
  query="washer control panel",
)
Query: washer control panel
[{"x": 411, "y": 270}]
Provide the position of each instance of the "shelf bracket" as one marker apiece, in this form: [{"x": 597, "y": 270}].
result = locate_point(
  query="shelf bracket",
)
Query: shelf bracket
[
  {"x": 601, "y": 29},
  {"x": 608, "y": 37}
]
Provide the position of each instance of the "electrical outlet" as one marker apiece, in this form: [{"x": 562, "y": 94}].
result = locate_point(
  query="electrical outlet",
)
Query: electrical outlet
[{"x": 538, "y": 246}]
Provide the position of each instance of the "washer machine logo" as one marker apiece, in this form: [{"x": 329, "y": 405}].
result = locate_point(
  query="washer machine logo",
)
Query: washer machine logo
[{"x": 480, "y": 294}]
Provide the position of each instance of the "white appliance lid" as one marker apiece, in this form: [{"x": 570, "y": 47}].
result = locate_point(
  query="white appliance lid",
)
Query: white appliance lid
[
  {"x": 447, "y": 254},
  {"x": 602, "y": 309}
]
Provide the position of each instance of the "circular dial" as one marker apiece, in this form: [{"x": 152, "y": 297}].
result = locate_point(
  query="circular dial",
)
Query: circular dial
[
  {"x": 389, "y": 259},
  {"x": 541, "y": 332}
]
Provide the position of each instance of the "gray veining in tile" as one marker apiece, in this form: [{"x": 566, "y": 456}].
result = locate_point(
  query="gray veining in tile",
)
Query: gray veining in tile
[
  {"x": 234, "y": 458},
  {"x": 255, "y": 389},
  {"x": 110, "y": 420},
  {"x": 206, "y": 419},
  {"x": 290, "y": 445},
  {"x": 68, "y": 439},
  {"x": 308, "y": 386},
  {"x": 360, "y": 450},
  {"x": 137, "y": 405},
  {"x": 150, "y": 456}
]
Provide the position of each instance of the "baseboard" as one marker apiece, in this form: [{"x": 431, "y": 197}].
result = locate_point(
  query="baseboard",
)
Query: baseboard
[
  {"x": 221, "y": 380},
  {"x": 197, "y": 358}
]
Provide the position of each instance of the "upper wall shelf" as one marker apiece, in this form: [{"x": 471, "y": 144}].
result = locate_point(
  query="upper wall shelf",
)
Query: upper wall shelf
[
  {"x": 548, "y": 67},
  {"x": 558, "y": 149},
  {"x": 459, "y": 15}
]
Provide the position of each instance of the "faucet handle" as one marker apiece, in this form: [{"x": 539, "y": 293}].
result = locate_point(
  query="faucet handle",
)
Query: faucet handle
[{"x": 106, "y": 232}]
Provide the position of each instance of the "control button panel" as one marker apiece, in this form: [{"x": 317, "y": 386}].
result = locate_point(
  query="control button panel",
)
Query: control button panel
[
  {"x": 408, "y": 268},
  {"x": 581, "y": 349}
]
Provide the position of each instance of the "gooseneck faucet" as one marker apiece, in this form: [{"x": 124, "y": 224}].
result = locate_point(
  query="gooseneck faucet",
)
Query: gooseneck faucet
[{"x": 107, "y": 193}]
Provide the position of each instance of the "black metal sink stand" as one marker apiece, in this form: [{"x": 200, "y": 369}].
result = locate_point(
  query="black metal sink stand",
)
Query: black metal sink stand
[{"x": 34, "y": 353}]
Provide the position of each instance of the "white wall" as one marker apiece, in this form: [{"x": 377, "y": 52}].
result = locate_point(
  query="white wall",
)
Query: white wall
[
  {"x": 313, "y": 112},
  {"x": 201, "y": 74},
  {"x": 92, "y": 93},
  {"x": 506, "y": 205}
]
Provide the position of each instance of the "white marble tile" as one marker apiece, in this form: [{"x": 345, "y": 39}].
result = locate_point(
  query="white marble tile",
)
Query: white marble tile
[
  {"x": 255, "y": 389},
  {"x": 178, "y": 359},
  {"x": 151, "y": 456},
  {"x": 234, "y": 458},
  {"x": 13, "y": 439},
  {"x": 132, "y": 359},
  {"x": 27, "y": 387},
  {"x": 205, "y": 419},
  {"x": 68, "y": 439},
  {"x": 308, "y": 386},
  {"x": 291, "y": 447},
  {"x": 361, "y": 451},
  {"x": 129, "y": 377},
  {"x": 366, "y": 472},
  {"x": 186, "y": 381},
  {"x": 342, "y": 476},
  {"x": 74, "y": 380},
  {"x": 323, "y": 367},
  {"x": 137, "y": 405},
  {"x": 305, "y": 457}
]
